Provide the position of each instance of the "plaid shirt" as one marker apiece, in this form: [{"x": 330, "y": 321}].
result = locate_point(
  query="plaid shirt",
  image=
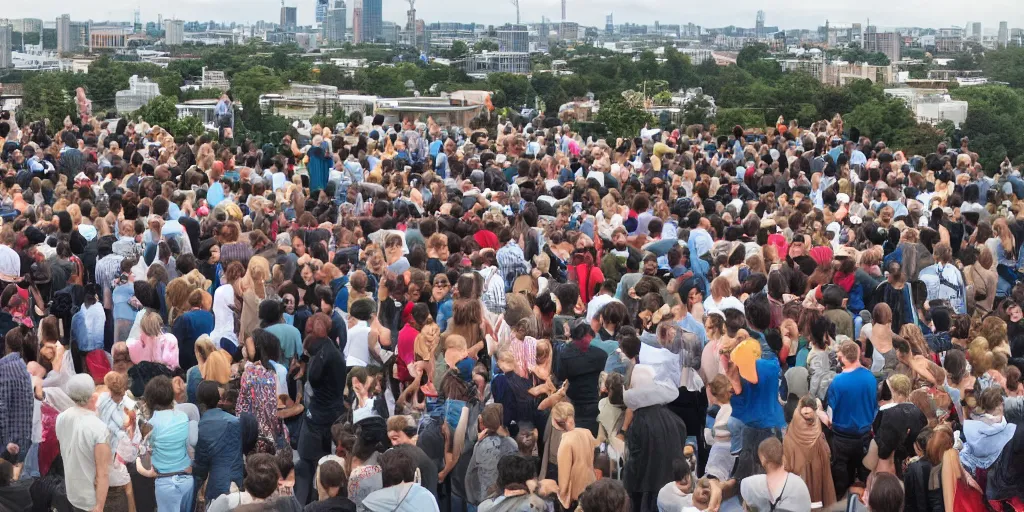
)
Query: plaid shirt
[
  {"x": 107, "y": 269},
  {"x": 16, "y": 402},
  {"x": 494, "y": 290},
  {"x": 511, "y": 260}
]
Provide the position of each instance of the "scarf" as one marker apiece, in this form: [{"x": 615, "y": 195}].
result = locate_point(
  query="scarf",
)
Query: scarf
[
  {"x": 807, "y": 455},
  {"x": 845, "y": 281}
]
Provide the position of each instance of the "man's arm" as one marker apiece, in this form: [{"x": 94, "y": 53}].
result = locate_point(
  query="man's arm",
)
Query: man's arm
[{"x": 102, "y": 455}]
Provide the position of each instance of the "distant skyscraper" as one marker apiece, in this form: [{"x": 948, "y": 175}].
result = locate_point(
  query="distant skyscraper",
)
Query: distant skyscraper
[
  {"x": 288, "y": 18},
  {"x": 976, "y": 31},
  {"x": 336, "y": 22},
  {"x": 410, "y": 23},
  {"x": 1004, "y": 34},
  {"x": 609, "y": 24},
  {"x": 888, "y": 43},
  {"x": 357, "y": 22},
  {"x": 174, "y": 32},
  {"x": 563, "y": 10},
  {"x": 6, "y": 57},
  {"x": 759, "y": 24},
  {"x": 372, "y": 20},
  {"x": 64, "y": 34},
  {"x": 513, "y": 38},
  {"x": 321, "y": 10}
]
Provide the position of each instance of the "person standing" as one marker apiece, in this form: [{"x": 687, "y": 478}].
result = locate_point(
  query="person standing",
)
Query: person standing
[
  {"x": 326, "y": 373},
  {"x": 852, "y": 401},
  {"x": 189, "y": 327},
  {"x": 84, "y": 448},
  {"x": 218, "y": 457},
  {"x": 777, "y": 489}
]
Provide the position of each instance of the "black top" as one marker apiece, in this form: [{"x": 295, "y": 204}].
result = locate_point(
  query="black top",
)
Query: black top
[
  {"x": 896, "y": 428},
  {"x": 326, "y": 372},
  {"x": 335, "y": 504},
  {"x": 582, "y": 369}
]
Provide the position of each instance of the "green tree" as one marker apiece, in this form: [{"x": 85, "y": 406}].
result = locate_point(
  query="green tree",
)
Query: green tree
[
  {"x": 920, "y": 139},
  {"x": 516, "y": 88},
  {"x": 384, "y": 81},
  {"x": 677, "y": 70},
  {"x": 159, "y": 111},
  {"x": 187, "y": 69},
  {"x": 170, "y": 85},
  {"x": 726, "y": 118},
  {"x": 1005, "y": 65},
  {"x": 333, "y": 75},
  {"x": 190, "y": 125},
  {"x": 550, "y": 90},
  {"x": 622, "y": 120},
  {"x": 697, "y": 111},
  {"x": 458, "y": 51},
  {"x": 46, "y": 98},
  {"x": 881, "y": 119},
  {"x": 994, "y": 122},
  {"x": 258, "y": 79},
  {"x": 485, "y": 45},
  {"x": 963, "y": 61},
  {"x": 576, "y": 86}
]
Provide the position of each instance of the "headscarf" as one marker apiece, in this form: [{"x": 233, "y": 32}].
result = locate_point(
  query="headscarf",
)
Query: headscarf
[
  {"x": 806, "y": 453},
  {"x": 821, "y": 255}
]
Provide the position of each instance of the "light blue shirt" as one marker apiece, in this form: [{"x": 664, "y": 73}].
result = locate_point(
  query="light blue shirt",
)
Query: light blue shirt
[{"x": 172, "y": 434}]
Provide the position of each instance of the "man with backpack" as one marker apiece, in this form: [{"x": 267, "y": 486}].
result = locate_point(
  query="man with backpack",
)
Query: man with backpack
[{"x": 944, "y": 281}]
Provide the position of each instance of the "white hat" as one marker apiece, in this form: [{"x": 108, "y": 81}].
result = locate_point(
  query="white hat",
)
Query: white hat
[
  {"x": 855, "y": 220},
  {"x": 843, "y": 198},
  {"x": 774, "y": 154}
]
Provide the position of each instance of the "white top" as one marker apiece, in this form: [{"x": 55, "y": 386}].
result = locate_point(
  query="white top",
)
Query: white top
[
  {"x": 223, "y": 317},
  {"x": 596, "y": 303},
  {"x": 357, "y": 350},
  {"x": 79, "y": 431},
  {"x": 10, "y": 263}
]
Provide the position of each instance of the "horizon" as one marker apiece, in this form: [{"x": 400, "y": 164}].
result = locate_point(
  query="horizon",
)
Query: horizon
[{"x": 799, "y": 15}]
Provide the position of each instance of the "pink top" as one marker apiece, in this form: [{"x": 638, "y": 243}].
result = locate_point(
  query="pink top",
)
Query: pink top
[
  {"x": 525, "y": 352},
  {"x": 164, "y": 350}
]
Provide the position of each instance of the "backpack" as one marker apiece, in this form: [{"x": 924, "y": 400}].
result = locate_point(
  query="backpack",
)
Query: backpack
[{"x": 259, "y": 387}]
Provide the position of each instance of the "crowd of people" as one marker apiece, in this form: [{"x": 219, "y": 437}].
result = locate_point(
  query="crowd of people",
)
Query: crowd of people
[{"x": 506, "y": 317}]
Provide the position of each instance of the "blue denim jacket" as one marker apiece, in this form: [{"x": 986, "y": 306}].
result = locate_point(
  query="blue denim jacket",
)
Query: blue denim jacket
[{"x": 218, "y": 452}]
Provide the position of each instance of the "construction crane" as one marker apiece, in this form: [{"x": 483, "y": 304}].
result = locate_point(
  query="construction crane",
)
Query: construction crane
[{"x": 516, "y": 3}]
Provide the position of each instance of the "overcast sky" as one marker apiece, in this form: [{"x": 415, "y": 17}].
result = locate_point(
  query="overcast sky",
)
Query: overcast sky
[{"x": 788, "y": 14}]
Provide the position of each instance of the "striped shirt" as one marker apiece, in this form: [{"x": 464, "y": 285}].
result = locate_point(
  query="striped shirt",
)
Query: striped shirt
[
  {"x": 511, "y": 260},
  {"x": 106, "y": 269}
]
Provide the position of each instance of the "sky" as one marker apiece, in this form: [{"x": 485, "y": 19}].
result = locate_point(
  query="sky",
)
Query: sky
[{"x": 790, "y": 14}]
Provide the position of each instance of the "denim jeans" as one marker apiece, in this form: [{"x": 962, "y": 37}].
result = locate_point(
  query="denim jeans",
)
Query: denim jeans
[{"x": 174, "y": 493}]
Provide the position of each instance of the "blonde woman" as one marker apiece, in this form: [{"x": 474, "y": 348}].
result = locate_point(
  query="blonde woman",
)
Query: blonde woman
[{"x": 575, "y": 455}]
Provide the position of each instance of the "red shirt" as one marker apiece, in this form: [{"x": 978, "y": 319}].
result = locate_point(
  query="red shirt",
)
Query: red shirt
[
  {"x": 487, "y": 239},
  {"x": 406, "y": 352}
]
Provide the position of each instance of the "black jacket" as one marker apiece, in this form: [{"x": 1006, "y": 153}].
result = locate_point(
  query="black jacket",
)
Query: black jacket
[
  {"x": 326, "y": 372},
  {"x": 335, "y": 504},
  {"x": 915, "y": 484}
]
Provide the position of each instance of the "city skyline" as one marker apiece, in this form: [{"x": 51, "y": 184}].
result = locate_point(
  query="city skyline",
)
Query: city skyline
[{"x": 799, "y": 14}]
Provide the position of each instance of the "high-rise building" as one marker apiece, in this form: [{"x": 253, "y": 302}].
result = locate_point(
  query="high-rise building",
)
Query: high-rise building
[
  {"x": 568, "y": 31},
  {"x": 1004, "y": 34},
  {"x": 372, "y": 20},
  {"x": 609, "y": 24},
  {"x": 513, "y": 38},
  {"x": 976, "y": 31},
  {"x": 322, "y": 7},
  {"x": 64, "y": 34},
  {"x": 336, "y": 22},
  {"x": 357, "y": 22},
  {"x": 174, "y": 32},
  {"x": 410, "y": 24},
  {"x": 288, "y": 18},
  {"x": 759, "y": 25},
  {"x": 888, "y": 43},
  {"x": 26, "y": 25},
  {"x": 6, "y": 51}
]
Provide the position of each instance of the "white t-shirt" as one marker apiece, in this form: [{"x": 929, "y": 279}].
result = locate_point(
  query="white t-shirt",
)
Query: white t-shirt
[
  {"x": 10, "y": 262},
  {"x": 79, "y": 431},
  {"x": 793, "y": 496},
  {"x": 357, "y": 350}
]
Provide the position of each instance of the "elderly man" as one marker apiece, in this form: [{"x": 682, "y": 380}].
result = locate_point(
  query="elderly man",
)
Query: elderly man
[{"x": 84, "y": 446}]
